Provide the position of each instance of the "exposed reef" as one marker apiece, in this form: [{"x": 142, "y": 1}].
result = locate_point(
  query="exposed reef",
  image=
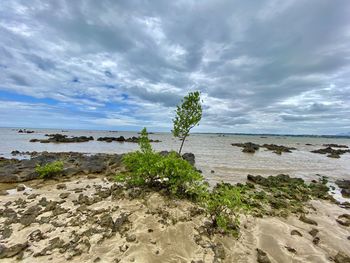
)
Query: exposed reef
[
  {"x": 60, "y": 138},
  {"x": 250, "y": 147}
]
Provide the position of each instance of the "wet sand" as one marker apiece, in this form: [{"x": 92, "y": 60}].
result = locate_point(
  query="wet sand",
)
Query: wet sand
[{"x": 110, "y": 225}]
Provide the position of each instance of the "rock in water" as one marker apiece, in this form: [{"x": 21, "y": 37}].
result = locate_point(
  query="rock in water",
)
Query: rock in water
[{"x": 189, "y": 157}]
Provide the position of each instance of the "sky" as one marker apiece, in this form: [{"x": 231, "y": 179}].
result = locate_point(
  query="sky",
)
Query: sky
[{"x": 262, "y": 66}]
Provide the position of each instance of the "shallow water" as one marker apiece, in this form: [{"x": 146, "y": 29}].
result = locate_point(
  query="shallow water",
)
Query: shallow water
[{"x": 212, "y": 151}]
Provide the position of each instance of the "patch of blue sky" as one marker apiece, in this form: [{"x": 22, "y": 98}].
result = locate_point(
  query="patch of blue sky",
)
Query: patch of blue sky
[{"x": 7, "y": 95}]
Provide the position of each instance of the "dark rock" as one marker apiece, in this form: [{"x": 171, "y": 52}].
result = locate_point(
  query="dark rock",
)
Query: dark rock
[
  {"x": 29, "y": 216},
  {"x": 219, "y": 251},
  {"x": 262, "y": 256},
  {"x": 131, "y": 238},
  {"x": 316, "y": 240},
  {"x": 21, "y": 187},
  {"x": 6, "y": 232},
  {"x": 344, "y": 220},
  {"x": 60, "y": 138},
  {"x": 8, "y": 252},
  {"x": 189, "y": 157},
  {"x": 307, "y": 220},
  {"x": 313, "y": 232},
  {"x": 341, "y": 257},
  {"x": 278, "y": 149},
  {"x": 32, "y": 196},
  {"x": 345, "y": 187},
  {"x": 64, "y": 195},
  {"x": 3, "y": 192},
  {"x": 122, "y": 139},
  {"x": 291, "y": 250},
  {"x": 296, "y": 233},
  {"x": 333, "y": 153},
  {"x": 36, "y": 236},
  {"x": 106, "y": 221},
  {"x": 61, "y": 186},
  {"x": 248, "y": 147},
  {"x": 335, "y": 145}
]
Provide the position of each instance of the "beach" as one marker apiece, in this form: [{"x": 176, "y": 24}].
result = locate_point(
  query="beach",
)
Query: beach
[{"x": 85, "y": 216}]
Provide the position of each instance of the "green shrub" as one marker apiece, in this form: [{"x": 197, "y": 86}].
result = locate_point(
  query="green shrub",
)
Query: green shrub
[
  {"x": 224, "y": 204},
  {"x": 49, "y": 170},
  {"x": 146, "y": 168},
  {"x": 169, "y": 172}
]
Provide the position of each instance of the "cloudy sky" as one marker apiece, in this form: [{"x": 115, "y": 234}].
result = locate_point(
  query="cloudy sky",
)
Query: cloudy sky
[{"x": 262, "y": 66}]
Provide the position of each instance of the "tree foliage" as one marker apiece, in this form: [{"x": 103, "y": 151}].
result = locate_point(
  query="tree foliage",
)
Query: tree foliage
[{"x": 188, "y": 115}]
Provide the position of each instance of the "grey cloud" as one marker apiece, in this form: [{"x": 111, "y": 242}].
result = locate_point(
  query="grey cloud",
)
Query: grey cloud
[{"x": 262, "y": 65}]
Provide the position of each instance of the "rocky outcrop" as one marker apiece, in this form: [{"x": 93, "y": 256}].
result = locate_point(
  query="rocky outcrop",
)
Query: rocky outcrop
[
  {"x": 25, "y": 131},
  {"x": 13, "y": 170},
  {"x": 250, "y": 147},
  {"x": 60, "y": 138},
  {"x": 335, "y": 145},
  {"x": 122, "y": 139},
  {"x": 344, "y": 185},
  {"x": 331, "y": 153}
]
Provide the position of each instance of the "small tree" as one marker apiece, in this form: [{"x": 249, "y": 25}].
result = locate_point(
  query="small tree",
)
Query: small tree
[{"x": 188, "y": 115}]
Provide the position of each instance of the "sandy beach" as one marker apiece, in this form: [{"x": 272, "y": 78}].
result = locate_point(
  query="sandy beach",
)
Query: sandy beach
[{"x": 89, "y": 218}]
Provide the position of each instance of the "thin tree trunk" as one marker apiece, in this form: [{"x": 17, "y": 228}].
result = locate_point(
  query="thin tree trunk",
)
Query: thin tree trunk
[{"x": 182, "y": 143}]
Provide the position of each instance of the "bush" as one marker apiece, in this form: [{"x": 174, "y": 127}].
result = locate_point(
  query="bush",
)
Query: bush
[
  {"x": 169, "y": 172},
  {"x": 146, "y": 168},
  {"x": 49, "y": 170},
  {"x": 224, "y": 204}
]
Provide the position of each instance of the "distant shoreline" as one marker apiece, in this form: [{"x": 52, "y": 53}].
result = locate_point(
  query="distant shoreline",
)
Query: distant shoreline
[{"x": 205, "y": 133}]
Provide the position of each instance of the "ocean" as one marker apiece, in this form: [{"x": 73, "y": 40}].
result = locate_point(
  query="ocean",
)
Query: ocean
[{"x": 215, "y": 156}]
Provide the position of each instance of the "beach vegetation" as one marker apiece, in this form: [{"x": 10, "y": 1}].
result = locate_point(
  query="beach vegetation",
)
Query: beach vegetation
[
  {"x": 168, "y": 172},
  {"x": 49, "y": 170},
  {"x": 224, "y": 205},
  {"x": 188, "y": 115}
]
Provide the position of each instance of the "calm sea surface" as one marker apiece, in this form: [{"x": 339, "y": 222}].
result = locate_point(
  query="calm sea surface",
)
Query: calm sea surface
[{"x": 212, "y": 151}]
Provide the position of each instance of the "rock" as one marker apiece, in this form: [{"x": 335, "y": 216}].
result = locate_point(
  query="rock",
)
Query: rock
[
  {"x": 316, "y": 240},
  {"x": 296, "y": 233},
  {"x": 331, "y": 152},
  {"x": 29, "y": 216},
  {"x": 32, "y": 196},
  {"x": 61, "y": 186},
  {"x": 189, "y": 157},
  {"x": 122, "y": 139},
  {"x": 341, "y": 257},
  {"x": 344, "y": 220},
  {"x": 3, "y": 192},
  {"x": 345, "y": 187},
  {"x": 219, "y": 251},
  {"x": 36, "y": 236},
  {"x": 262, "y": 256},
  {"x": 291, "y": 250},
  {"x": 335, "y": 145},
  {"x": 6, "y": 232},
  {"x": 248, "y": 147},
  {"x": 60, "y": 138},
  {"x": 120, "y": 223},
  {"x": 131, "y": 238},
  {"x": 64, "y": 195},
  {"x": 8, "y": 252},
  {"x": 106, "y": 221},
  {"x": 313, "y": 232},
  {"x": 21, "y": 187},
  {"x": 307, "y": 220}
]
